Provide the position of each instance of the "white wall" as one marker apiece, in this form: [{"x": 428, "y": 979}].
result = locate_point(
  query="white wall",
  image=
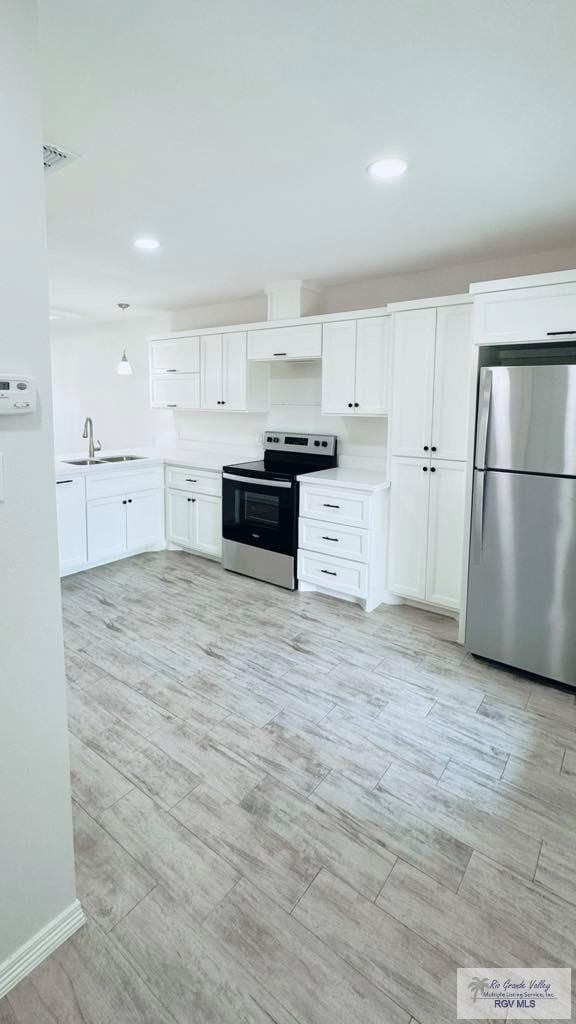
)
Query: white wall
[
  {"x": 449, "y": 280},
  {"x": 36, "y": 859},
  {"x": 84, "y": 361}
]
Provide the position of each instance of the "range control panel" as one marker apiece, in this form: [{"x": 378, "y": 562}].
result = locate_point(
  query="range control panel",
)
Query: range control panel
[
  {"x": 17, "y": 394},
  {"x": 275, "y": 440}
]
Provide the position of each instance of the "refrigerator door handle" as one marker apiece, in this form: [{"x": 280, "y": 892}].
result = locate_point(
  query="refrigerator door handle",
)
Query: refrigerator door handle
[
  {"x": 478, "y": 517},
  {"x": 484, "y": 400}
]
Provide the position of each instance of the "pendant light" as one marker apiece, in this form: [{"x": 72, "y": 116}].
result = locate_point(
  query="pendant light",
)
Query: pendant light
[{"x": 124, "y": 366}]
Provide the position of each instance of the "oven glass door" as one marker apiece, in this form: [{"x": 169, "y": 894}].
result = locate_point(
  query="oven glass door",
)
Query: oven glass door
[{"x": 262, "y": 514}]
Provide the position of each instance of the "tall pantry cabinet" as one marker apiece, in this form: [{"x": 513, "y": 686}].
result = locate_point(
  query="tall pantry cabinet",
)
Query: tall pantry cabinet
[{"x": 429, "y": 427}]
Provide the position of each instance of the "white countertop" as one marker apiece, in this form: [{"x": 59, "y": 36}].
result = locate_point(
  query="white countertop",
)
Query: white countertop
[
  {"x": 355, "y": 479},
  {"x": 203, "y": 459}
]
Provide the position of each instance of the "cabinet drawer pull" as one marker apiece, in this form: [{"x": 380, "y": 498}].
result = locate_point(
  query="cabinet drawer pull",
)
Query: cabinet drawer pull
[
  {"x": 327, "y": 505},
  {"x": 329, "y": 572},
  {"x": 331, "y": 538},
  {"x": 189, "y": 480},
  {"x": 171, "y": 371},
  {"x": 279, "y": 353},
  {"x": 64, "y": 482},
  {"x": 553, "y": 334},
  {"x": 171, "y": 405}
]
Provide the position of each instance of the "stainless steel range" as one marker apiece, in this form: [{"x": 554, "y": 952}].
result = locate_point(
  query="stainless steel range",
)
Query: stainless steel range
[{"x": 260, "y": 505}]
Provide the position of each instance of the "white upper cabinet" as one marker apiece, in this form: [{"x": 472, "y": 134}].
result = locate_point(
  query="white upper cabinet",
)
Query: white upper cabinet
[
  {"x": 451, "y": 382},
  {"x": 338, "y": 367},
  {"x": 516, "y": 315},
  {"x": 356, "y": 356},
  {"x": 182, "y": 391},
  {"x": 236, "y": 394},
  {"x": 431, "y": 381},
  {"x": 211, "y": 377},
  {"x": 228, "y": 382},
  {"x": 414, "y": 333},
  {"x": 178, "y": 355},
  {"x": 373, "y": 359},
  {"x": 304, "y": 341}
]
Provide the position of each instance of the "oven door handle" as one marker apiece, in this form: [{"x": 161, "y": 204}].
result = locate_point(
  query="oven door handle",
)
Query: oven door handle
[{"x": 258, "y": 482}]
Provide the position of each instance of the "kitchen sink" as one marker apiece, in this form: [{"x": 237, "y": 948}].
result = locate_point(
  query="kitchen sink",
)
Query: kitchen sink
[
  {"x": 84, "y": 462},
  {"x": 122, "y": 458}
]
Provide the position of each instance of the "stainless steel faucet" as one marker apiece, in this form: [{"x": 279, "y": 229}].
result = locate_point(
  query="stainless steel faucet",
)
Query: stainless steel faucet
[{"x": 89, "y": 433}]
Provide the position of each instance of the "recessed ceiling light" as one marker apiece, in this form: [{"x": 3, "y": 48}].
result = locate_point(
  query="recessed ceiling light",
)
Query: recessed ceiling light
[
  {"x": 387, "y": 167},
  {"x": 146, "y": 243}
]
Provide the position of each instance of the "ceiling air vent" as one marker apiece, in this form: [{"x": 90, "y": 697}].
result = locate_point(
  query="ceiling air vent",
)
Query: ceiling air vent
[{"x": 54, "y": 157}]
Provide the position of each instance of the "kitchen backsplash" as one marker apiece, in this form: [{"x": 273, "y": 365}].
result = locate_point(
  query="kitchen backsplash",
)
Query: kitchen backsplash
[{"x": 295, "y": 391}]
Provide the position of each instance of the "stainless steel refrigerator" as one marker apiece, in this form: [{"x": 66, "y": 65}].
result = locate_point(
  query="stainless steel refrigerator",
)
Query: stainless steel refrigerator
[{"x": 522, "y": 576}]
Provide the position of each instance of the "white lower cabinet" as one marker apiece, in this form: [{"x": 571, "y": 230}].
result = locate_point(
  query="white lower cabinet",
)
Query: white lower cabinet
[
  {"x": 106, "y": 528},
  {"x": 144, "y": 520},
  {"x": 123, "y": 523},
  {"x": 427, "y": 515},
  {"x": 342, "y": 532},
  {"x": 194, "y": 510},
  {"x": 446, "y": 517},
  {"x": 71, "y": 508},
  {"x": 194, "y": 521},
  {"x": 409, "y": 496}
]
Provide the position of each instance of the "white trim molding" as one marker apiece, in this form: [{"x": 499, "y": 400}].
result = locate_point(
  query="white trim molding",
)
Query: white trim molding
[{"x": 40, "y": 946}]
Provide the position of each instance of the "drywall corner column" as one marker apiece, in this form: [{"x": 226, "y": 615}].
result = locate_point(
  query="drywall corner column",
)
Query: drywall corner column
[{"x": 38, "y": 907}]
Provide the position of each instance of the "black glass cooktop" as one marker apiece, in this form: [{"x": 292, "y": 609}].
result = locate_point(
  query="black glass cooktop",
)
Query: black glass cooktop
[{"x": 278, "y": 470}]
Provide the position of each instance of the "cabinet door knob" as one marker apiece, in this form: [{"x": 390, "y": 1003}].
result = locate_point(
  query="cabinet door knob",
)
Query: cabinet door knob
[
  {"x": 356, "y": 405},
  {"x": 349, "y": 405},
  {"x": 424, "y": 469},
  {"x": 432, "y": 469},
  {"x": 425, "y": 447},
  {"x": 124, "y": 502},
  {"x": 433, "y": 448}
]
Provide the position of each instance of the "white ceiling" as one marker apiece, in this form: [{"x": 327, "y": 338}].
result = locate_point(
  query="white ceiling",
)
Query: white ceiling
[{"x": 237, "y": 132}]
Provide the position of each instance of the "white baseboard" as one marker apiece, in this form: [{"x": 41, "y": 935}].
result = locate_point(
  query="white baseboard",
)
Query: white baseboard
[{"x": 40, "y": 946}]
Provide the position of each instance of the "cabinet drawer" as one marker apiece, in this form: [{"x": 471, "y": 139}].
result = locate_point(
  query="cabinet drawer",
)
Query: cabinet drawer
[
  {"x": 336, "y": 573},
  {"x": 347, "y": 507},
  {"x": 526, "y": 314},
  {"x": 202, "y": 480},
  {"x": 278, "y": 343},
  {"x": 178, "y": 392},
  {"x": 344, "y": 541},
  {"x": 124, "y": 483}
]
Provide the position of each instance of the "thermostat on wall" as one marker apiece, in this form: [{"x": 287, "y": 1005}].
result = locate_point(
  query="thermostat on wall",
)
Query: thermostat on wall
[{"x": 17, "y": 393}]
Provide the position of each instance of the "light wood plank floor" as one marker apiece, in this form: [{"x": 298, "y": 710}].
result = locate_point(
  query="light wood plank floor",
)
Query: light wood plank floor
[{"x": 289, "y": 811}]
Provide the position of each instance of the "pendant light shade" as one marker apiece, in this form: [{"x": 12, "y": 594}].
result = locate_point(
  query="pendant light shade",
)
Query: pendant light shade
[{"x": 124, "y": 368}]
